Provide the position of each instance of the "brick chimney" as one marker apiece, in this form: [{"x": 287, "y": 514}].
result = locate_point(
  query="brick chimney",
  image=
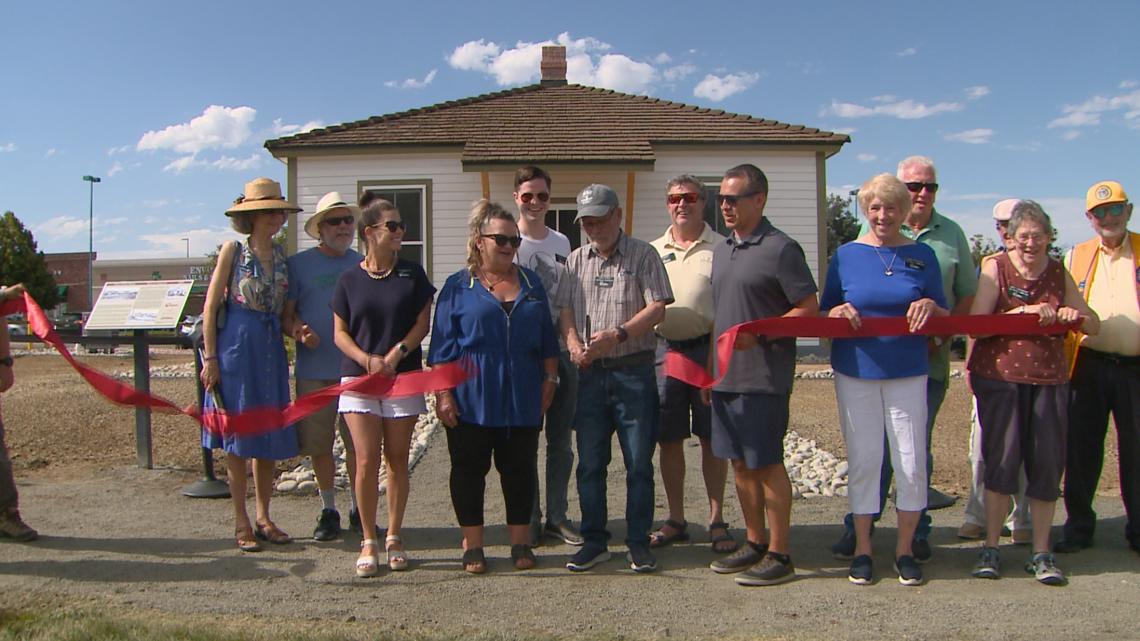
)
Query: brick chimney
[{"x": 553, "y": 66}]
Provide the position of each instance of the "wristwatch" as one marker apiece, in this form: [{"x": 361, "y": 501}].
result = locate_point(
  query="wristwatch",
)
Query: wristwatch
[
  {"x": 7, "y": 360},
  {"x": 553, "y": 378},
  {"x": 622, "y": 334},
  {"x": 402, "y": 347}
]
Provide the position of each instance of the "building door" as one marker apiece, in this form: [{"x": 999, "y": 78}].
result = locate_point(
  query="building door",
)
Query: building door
[{"x": 563, "y": 221}]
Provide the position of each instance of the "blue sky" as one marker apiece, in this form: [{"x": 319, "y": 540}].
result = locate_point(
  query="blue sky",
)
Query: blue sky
[{"x": 170, "y": 103}]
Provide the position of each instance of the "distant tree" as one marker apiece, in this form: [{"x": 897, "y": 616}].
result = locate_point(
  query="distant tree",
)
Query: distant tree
[
  {"x": 842, "y": 223},
  {"x": 980, "y": 246},
  {"x": 20, "y": 262}
]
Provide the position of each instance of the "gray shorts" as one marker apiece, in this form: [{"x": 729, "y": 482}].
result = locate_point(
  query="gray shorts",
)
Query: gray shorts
[
  {"x": 750, "y": 427},
  {"x": 1025, "y": 424},
  {"x": 317, "y": 431}
]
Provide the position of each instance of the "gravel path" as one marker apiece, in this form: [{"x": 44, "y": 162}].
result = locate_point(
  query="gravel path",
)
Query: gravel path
[{"x": 123, "y": 539}]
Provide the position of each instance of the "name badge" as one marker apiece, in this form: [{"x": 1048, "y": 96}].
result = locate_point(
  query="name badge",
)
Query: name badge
[
  {"x": 668, "y": 258},
  {"x": 403, "y": 273},
  {"x": 603, "y": 281},
  {"x": 1017, "y": 292},
  {"x": 558, "y": 258},
  {"x": 915, "y": 263}
]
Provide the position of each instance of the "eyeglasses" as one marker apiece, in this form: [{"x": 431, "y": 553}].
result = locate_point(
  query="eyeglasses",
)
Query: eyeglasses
[
  {"x": 502, "y": 239},
  {"x": 391, "y": 225},
  {"x": 688, "y": 196},
  {"x": 333, "y": 221},
  {"x": 1116, "y": 209},
  {"x": 730, "y": 200},
  {"x": 541, "y": 196},
  {"x": 917, "y": 187}
]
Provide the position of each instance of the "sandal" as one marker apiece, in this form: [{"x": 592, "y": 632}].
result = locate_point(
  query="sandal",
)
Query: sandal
[
  {"x": 523, "y": 557},
  {"x": 474, "y": 562},
  {"x": 397, "y": 559},
  {"x": 722, "y": 538},
  {"x": 661, "y": 537},
  {"x": 270, "y": 532},
  {"x": 368, "y": 565},
  {"x": 245, "y": 540}
]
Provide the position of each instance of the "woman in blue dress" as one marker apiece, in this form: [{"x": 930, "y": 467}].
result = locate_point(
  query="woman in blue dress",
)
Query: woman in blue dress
[{"x": 244, "y": 365}]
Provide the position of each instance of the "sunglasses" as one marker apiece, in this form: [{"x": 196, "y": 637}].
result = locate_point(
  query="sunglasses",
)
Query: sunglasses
[
  {"x": 917, "y": 187},
  {"x": 541, "y": 196},
  {"x": 333, "y": 221},
  {"x": 502, "y": 240},
  {"x": 726, "y": 199},
  {"x": 689, "y": 197},
  {"x": 391, "y": 225},
  {"x": 1109, "y": 210}
]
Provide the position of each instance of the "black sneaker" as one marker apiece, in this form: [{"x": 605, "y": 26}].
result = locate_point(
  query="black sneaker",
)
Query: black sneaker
[
  {"x": 769, "y": 571},
  {"x": 861, "y": 572},
  {"x": 1070, "y": 546},
  {"x": 920, "y": 548},
  {"x": 565, "y": 532},
  {"x": 844, "y": 548},
  {"x": 747, "y": 556},
  {"x": 641, "y": 560},
  {"x": 355, "y": 525},
  {"x": 328, "y": 525},
  {"x": 910, "y": 573},
  {"x": 590, "y": 555}
]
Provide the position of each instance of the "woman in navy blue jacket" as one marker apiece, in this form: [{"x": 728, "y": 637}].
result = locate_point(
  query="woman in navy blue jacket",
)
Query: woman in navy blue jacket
[{"x": 494, "y": 317}]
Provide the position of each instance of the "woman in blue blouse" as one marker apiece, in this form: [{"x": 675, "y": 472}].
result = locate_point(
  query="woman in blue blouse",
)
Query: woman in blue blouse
[
  {"x": 494, "y": 317},
  {"x": 880, "y": 383}
]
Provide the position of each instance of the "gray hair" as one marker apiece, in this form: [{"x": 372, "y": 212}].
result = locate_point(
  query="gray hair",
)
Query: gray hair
[
  {"x": 686, "y": 179},
  {"x": 242, "y": 222},
  {"x": 920, "y": 161},
  {"x": 1029, "y": 211}
]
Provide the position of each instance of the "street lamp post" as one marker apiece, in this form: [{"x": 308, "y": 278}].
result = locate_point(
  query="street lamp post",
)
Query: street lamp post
[
  {"x": 91, "y": 242},
  {"x": 187, "y": 247}
]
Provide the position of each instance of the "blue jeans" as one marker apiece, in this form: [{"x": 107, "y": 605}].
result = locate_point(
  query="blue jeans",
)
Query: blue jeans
[
  {"x": 622, "y": 400},
  {"x": 935, "y": 394},
  {"x": 559, "y": 428}
]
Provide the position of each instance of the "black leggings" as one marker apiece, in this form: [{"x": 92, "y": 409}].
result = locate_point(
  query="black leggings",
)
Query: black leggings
[{"x": 515, "y": 451}]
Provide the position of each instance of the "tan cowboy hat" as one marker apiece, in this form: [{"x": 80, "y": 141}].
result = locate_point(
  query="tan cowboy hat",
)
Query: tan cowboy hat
[
  {"x": 261, "y": 194},
  {"x": 328, "y": 203}
]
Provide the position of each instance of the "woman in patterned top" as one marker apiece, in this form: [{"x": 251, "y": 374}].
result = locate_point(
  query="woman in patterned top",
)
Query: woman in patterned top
[
  {"x": 1022, "y": 385},
  {"x": 244, "y": 365}
]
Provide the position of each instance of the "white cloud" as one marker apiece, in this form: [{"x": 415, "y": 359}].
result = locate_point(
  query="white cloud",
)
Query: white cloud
[
  {"x": 1032, "y": 145},
  {"x": 1072, "y": 134},
  {"x": 115, "y": 168},
  {"x": 412, "y": 83},
  {"x": 119, "y": 150},
  {"x": 50, "y": 152},
  {"x": 842, "y": 130},
  {"x": 807, "y": 68},
  {"x": 662, "y": 59},
  {"x": 971, "y": 136},
  {"x": 217, "y": 128},
  {"x": 61, "y": 227},
  {"x": 678, "y": 72},
  {"x": 717, "y": 88},
  {"x": 889, "y": 106},
  {"x": 1088, "y": 113},
  {"x": 909, "y": 51},
  {"x": 866, "y": 157},
  {"x": 8, "y": 148},
  {"x": 118, "y": 220},
  {"x": 1126, "y": 84},
  {"x": 978, "y": 91},
  {"x": 182, "y": 164},
  {"x": 227, "y": 163},
  {"x": 281, "y": 129},
  {"x": 587, "y": 62}
]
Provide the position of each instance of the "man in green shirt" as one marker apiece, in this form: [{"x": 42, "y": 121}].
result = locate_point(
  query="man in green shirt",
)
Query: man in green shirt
[{"x": 959, "y": 282}]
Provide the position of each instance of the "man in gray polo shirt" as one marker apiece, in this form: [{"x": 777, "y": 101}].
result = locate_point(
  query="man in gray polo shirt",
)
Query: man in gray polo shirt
[
  {"x": 614, "y": 291},
  {"x": 758, "y": 272}
]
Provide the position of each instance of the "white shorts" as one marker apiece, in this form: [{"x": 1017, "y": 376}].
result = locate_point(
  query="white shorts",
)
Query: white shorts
[{"x": 353, "y": 403}]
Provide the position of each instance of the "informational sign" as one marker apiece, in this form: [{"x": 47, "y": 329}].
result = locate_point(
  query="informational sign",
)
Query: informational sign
[{"x": 145, "y": 304}]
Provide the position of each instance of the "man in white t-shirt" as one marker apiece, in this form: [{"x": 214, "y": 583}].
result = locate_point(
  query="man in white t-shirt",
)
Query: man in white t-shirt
[{"x": 545, "y": 250}]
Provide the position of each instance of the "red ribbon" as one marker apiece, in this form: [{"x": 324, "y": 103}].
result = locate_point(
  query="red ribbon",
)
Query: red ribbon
[
  {"x": 685, "y": 369},
  {"x": 249, "y": 422}
]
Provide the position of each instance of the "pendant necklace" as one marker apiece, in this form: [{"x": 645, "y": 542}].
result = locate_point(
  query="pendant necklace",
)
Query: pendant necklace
[{"x": 887, "y": 269}]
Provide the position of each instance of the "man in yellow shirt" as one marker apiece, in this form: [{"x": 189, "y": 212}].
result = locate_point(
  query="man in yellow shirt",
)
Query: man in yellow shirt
[{"x": 1106, "y": 375}]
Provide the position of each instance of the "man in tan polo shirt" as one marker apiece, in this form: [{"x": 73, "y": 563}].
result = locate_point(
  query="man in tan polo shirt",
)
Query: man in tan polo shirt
[
  {"x": 1106, "y": 376},
  {"x": 686, "y": 248}
]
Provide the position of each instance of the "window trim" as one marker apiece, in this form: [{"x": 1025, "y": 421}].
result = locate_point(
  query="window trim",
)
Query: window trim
[{"x": 425, "y": 187}]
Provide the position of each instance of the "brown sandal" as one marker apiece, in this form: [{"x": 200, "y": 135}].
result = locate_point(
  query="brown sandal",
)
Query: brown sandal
[
  {"x": 270, "y": 532},
  {"x": 245, "y": 540}
]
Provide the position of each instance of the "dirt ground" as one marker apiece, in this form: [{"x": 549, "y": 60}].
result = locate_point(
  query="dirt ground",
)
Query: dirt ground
[{"x": 119, "y": 538}]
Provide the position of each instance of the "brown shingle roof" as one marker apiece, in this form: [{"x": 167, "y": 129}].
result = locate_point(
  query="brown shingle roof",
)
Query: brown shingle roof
[{"x": 561, "y": 123}]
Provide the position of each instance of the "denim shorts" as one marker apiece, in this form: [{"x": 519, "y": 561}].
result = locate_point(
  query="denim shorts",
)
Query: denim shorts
[{"x": 750, "y": 427}]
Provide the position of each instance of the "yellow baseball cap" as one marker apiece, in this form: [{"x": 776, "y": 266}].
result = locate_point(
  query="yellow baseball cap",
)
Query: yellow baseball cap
[{"x": 1105, "y": 192}]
